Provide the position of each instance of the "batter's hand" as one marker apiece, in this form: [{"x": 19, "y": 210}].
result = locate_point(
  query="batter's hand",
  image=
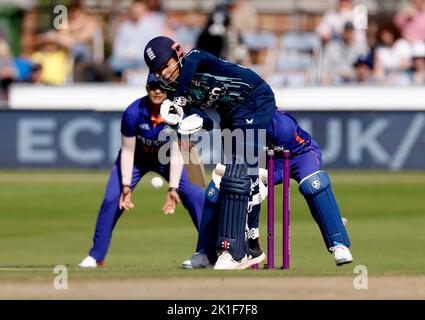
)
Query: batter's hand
[
  {"x": 171, "y": 202},
  {"x": 171, "y": 112},
  {"x": 191, "y": 124},
  {"x": 125, "y": 199}
]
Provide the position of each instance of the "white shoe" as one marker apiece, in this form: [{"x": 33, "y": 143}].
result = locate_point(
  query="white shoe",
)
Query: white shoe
[
  {"x": 341, "y": 254},
  {"x": 187, "y": 264},
  {"x": 226, "y": 262},
  {"x": 255, "y": 260},
  {"x": 88, "y": 262},
  {"x": 199, "y": 260}
]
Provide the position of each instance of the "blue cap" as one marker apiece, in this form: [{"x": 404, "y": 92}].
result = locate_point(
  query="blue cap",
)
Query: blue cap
[
  {"x": 158, "y": 51},
  {"x": 153, "y": 79},
  {"x": 364, "y": 60}
]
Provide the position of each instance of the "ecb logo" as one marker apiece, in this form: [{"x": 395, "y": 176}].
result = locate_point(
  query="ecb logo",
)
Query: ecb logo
[{"x": 316, "y": 184}]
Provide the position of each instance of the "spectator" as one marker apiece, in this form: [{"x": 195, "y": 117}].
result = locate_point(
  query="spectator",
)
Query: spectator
[
  {"x": 418, "y": 56},
  {"x": 411, "y": 21},
  {"x": 80, "y": 35},
  {"x": 36, "y": 74},
  {"x": 392, "y": 57},
  {"x": 363, "y": 69},
  {"x": 52, "y": 58},
  {"x": 28, "y": 42},
  {"x": 243, "y": 18},
  {"x": 23, "y": 68},
  {"x": 119, "y": 14},
  {"x": 7, "y": 70},
  {"x": 213, "y": 37},
  {"x": 132, "y": 36},
  {"x": 339, "y": 57},
  {"x": 221, "y": 35},
  {"x": 332, "y": 24}
]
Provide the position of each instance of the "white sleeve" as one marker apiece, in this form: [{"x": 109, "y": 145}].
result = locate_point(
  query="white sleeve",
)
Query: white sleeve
[
  {"x": 127, "y": 159},
  {"x": 176, "y": 165}
]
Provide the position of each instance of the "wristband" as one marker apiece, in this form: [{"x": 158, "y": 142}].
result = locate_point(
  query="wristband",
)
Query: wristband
[{"x": 173, "y": 189}]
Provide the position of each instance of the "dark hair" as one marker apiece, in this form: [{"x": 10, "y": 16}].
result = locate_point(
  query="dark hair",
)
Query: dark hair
[
  {"x": 390, "y": 27},
  {"x": 76, "y": 5}
]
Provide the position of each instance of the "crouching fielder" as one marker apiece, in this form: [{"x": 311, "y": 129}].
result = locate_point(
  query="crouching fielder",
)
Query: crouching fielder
[
  {"x": 314, "y": 184},
  {"x": 140, "y": 129}
]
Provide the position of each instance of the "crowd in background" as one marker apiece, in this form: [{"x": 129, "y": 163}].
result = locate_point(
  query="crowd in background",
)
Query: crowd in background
[
  {"x": 392, "y": 53},
  {"x": 108, "y": 46}
]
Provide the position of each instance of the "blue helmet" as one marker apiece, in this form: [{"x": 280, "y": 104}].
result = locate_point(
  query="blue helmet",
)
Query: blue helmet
[{"x": 159, "y": 50}]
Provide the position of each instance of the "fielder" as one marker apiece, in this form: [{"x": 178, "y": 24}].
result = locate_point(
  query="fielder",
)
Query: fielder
[
  {"x": 140, "y": 127},
  {"x": 243, "y": 100},
  {"x": 314, "y": 185}
]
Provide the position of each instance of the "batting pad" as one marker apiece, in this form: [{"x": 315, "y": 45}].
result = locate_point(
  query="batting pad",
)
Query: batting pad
[{"x": 235, "y": 189}]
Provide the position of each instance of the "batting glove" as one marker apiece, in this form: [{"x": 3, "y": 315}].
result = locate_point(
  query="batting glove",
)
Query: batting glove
[
  {"x": 191, "y": 124},
  {"x": 171, "y": 112}
]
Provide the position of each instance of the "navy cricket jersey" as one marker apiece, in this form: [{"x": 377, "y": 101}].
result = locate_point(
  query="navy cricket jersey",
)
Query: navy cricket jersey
[
  {"x": 208, "y": 81},
  {"x": 138, "y": 122}
]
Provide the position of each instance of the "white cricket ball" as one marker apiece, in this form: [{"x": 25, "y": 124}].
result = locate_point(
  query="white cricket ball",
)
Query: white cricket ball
[{"x": 157, "y": 182}]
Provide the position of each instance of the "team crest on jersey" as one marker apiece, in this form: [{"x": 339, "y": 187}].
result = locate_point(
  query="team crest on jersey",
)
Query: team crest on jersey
[{"x": 316, "y": 184}]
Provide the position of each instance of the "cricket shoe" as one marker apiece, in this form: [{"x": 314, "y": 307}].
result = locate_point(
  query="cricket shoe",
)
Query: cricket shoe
[
  {"x": 199, "y": 260},
  {"x": 256, "y": 255},
  {"x": 226, "y": 262},
  {"x": 90, "y": 262},
  {"x": 341, "y": 253}
]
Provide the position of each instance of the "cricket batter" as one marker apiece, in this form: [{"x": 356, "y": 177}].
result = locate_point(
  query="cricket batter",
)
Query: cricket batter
[
  {"x": 243, "y": 101},
  {"x": 140, "y": 128},
  {"x": 314, "y": 185}
]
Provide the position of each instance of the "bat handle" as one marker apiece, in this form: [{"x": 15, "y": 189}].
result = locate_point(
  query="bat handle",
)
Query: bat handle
[{"x": 220, "y": 169}]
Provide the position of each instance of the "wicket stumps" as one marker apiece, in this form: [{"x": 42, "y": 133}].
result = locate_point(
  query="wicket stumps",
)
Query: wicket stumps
[{"x": 271, "y": 155}]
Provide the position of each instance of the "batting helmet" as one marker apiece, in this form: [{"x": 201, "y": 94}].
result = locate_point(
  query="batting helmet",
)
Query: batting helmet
[{"x": 159, "y": 50}]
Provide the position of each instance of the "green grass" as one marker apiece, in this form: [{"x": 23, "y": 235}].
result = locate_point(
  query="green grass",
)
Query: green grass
[{"x": 47, "y": 218}]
